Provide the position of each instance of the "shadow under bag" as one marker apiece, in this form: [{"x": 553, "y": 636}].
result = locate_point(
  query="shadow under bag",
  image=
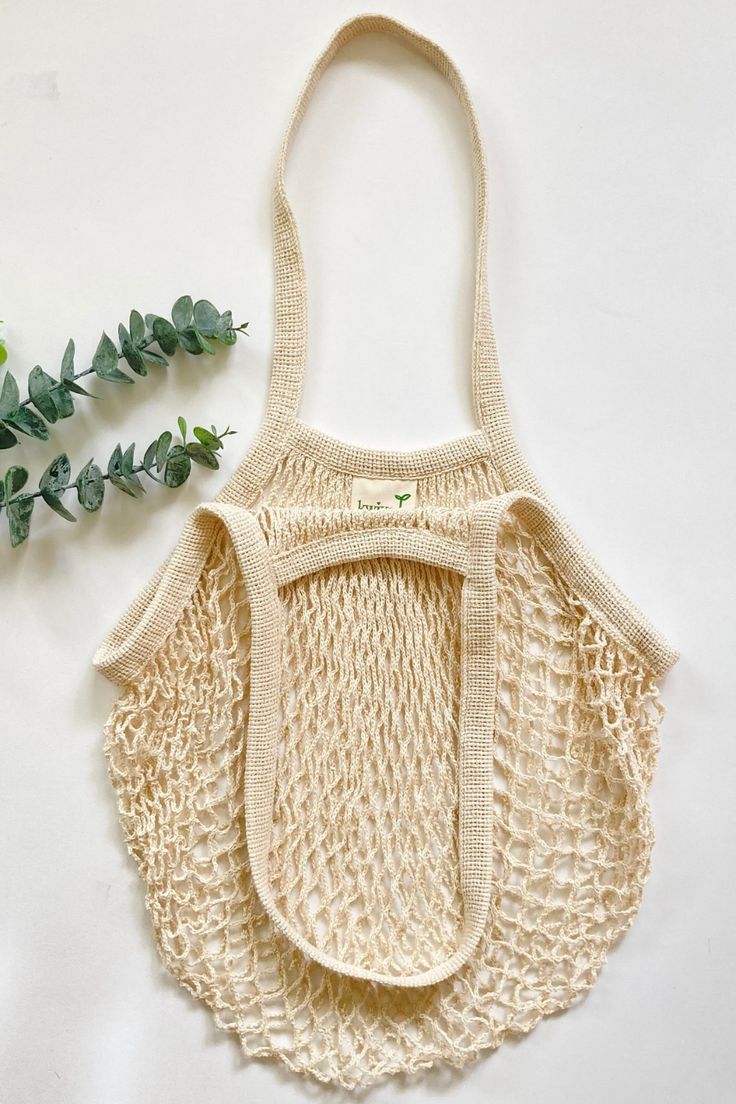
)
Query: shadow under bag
[{"x": 383, "y": 770}]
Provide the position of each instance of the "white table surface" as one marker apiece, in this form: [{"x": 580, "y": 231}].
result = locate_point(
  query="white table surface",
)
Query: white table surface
[{"x": 137, "y": 145}]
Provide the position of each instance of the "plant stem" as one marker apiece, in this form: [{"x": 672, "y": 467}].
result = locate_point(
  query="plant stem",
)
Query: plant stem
[
  {"x": 71, "y": 486},
  {"x": 89, "y": 371}
]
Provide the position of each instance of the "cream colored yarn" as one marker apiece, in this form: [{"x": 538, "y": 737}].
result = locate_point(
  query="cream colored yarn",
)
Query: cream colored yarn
[{"x": 384, "y": 774}]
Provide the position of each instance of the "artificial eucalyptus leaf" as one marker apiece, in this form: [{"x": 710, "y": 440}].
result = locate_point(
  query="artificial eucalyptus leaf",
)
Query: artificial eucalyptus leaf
[
  {"x": 149, "y": 456},
  {"x": 154, "y": 358},
  {"x": 122, "y": 485},
  {"x": 137, "y": 328},
  {"x": 228, "y": 337},
  {"x": 15, "y": 479},
  {"x": 123, "y": 334},
  {"x": 57, "y": 475},
  {"x": 181, "y": 312},
  {"x": 90, "y": 487},
  {"x": 202, "y": 455},
  {"x": 67, "y": 361},
  {"x": 178, "y": 467},
  {"x": 115, "y": 463},
  {"x": 125, "y": 470},
  {"x": 206, "y": 317},
  {"x": 7, "y": 437},
  {"x": 134, "y": 357},
  {"x": 19, "y": 518},
  {"x": 209, "y": 440},
  {"x": 105, "y": 362},
  {"x": 39, "y": 385},
  {"x": 63, "y": 400},
  {"x": 224, "y": 324},
  {"x": 162, "y": 449},
  {"x": 115, "y": 473},
  {"x": 190, "y": 342},
  {"x": 29, "y": 423},
  {"x": 57, "y": 505},
  {"x": 150, "y": 319},
  {"x": 70, "y": 385},
  {"x": 181, "y": 422},
  {"x": 126, "y": 464},
  {"x": 165, "y": 335},
  {"x": 205, "y": 343},
  {"x": 135, "y": 482},
  {"x": 9, "y": 395}
]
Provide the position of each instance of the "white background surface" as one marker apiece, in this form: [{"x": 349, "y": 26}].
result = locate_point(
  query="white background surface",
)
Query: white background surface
[{"x": 137, "y": 145}]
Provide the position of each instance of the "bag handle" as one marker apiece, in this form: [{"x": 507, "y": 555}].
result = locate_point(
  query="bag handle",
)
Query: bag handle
[
  {"x": 262, "y": 575},
  {"x": 290, "y": 340}
]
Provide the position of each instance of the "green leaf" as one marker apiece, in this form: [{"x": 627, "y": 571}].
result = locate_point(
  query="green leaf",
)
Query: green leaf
[
  {"x": 61, "y": 395},
  {"x": 7, "y": 437},
  {"x": 9, "y": 395},
  {"x": 63, "y": 400},
  {"x": 135, "y": 481},
  {"x": 224, "y": 324},
  {"x": 182, "y": 427},
  {"x": 115, "y": 472},
  {"x": 54, "y": 482},
  {"x": 123, "y": 334},
  {"x": 70, "y": 385},
  {"x": 165, "y": 335},
  {"x": 134, "y": 357},
  {"x": 126, "y": 468},
  {"x": 57, "y": 505},
  {"x": 149, "y": 457},
  {"x": 181, "y": 312},
  {"x": 29, "y": 423},
  {"x": 209, "y": 440},
  {"x": 178, "y": 467},
  {"x": 15, "y": 480},
  {"x": 162, "y": 449},
  {"x": 154, "y": 358},
  {"x": 67, "y": 361},
  {"x": 57, "y": 475},
  {"x": 19, "y": 518},
  {"x": 126, "y": 464},
  {"x": 202, "y": 455},
  {"x": 206, "y": 317},
  {"x": 137, "y": 328},
  {"x": 90, "y": 487},
  {"x": 105, "y": 362},
  {"x": 227, "y": 338},
  {"x": 207, "y": 346},
  {"x": 3, "y": 353},
  {"x": 39, "y": 383},
  {"x": 190, "y": 342}
]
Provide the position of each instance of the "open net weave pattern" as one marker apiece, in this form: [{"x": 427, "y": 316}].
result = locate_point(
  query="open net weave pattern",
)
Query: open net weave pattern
[{"x": 364, "y": 852}]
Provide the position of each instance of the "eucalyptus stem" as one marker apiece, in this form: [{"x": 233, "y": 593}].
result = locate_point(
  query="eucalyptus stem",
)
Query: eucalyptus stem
[
  {"x": 87, "y": 372},
  {"x": 195, "y": 327},
  {"x": 103, "y": 476},
  {"x": 172, "y": 462}
]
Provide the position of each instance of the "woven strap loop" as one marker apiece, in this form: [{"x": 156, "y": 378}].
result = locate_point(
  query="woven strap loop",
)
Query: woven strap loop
[{"x": 262, "y": 574}]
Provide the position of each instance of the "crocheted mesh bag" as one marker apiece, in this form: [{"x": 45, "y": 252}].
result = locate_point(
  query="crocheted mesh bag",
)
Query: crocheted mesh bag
[{"x": 383, "y": 770}]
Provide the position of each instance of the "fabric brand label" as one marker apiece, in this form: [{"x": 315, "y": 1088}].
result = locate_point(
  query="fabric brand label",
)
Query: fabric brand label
[{"x": 383, "y": 494}]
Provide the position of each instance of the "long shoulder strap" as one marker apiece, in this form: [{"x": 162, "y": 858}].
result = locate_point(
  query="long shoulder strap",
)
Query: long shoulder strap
[{"x": 290, "y": 338}]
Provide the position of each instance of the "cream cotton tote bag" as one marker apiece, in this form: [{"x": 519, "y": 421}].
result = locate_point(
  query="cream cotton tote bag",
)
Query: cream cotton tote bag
[{"x": 385, "y": 730}]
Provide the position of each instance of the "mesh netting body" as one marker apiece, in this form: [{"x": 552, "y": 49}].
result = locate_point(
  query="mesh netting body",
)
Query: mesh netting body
[{"x": 364, "y": 853}]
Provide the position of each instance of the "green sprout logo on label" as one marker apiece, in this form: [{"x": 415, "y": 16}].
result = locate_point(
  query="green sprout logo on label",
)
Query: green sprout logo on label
[{"x": 401, "y": 499}]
